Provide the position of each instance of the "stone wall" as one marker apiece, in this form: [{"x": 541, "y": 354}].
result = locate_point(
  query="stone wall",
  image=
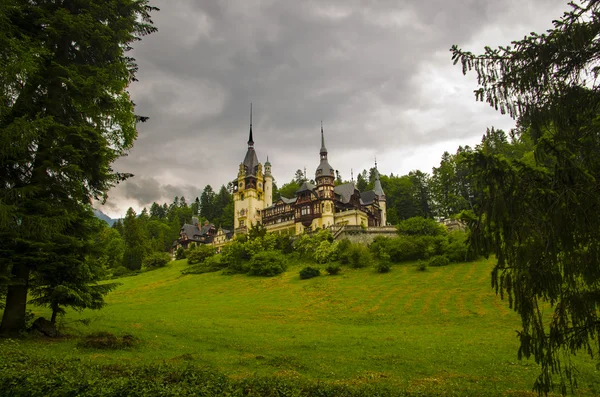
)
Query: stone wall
[{"x": 358, "y": 234}]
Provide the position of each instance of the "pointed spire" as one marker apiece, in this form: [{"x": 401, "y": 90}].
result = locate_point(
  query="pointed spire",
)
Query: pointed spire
[
  {"x": 250, "y": 140},
  {"x": 323, "y": 148}
]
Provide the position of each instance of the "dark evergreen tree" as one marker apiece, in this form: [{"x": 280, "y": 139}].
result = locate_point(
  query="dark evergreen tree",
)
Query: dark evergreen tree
[
  {"x": 65, "y": 116},
  {"x": 135, "y": 241},
  {"x": 540, "y": 215}
]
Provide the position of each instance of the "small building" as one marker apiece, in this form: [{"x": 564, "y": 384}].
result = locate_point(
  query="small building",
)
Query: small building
[{"x": 201, "y": 234}]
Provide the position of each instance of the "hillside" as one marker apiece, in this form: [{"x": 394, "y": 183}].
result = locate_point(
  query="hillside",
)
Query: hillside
[{"x": 443, "y": 330}]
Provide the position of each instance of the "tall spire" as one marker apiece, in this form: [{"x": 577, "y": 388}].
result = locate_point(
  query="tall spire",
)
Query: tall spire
[
  {"x": 250, "y": 140},
  {"x": 323, "y": 148}
]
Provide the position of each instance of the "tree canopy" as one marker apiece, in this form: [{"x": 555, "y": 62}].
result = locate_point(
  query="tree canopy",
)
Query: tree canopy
[
  {"x": 539, "y": 214},
  {"x": 65, "y": 117}
]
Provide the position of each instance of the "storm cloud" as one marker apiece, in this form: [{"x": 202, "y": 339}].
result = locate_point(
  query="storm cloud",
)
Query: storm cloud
[{"x": 377, "y": 73}]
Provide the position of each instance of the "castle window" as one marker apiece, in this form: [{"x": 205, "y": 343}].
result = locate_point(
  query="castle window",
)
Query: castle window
[
  {"x": 259, "y": 195},
  {"x": 259, "y": 185},
  {"x": 242, "y": 196},
  {"x": 242, "y": 223},
  {"x": 305, "y": 210}
]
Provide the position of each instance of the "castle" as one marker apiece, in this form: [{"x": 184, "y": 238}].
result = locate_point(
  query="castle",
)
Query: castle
[
  {"x": 320, "y": 206},
  {"x": 315, "y": 206}
]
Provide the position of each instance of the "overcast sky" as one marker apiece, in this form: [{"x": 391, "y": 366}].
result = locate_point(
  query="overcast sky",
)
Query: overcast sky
[{"x": 377, "y": 73}]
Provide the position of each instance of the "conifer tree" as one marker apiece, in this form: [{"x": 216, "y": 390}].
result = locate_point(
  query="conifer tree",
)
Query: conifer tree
[
  {"x": 540, "y": 217},
  {"x": 65, "y": 117}
]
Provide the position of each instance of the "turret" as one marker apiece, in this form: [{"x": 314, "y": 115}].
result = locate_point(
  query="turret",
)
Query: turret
[
  {"x": 268, "y": 190},
  {"x": 249, "y": 198},
  {"x": 380, "y": 197},
  {"x": 325, "y": 179}
]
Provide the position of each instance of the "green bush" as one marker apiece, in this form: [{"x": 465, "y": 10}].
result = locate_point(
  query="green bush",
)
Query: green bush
[
  {"x": 200, "y": 254},
  {"x": 309, "y": 272},
  {"x": 107, "y": 341},
  {"x": 156, "y": 260},
  {"x": 333, "y": 269},
  {"x": 233, "y": 256},
  {"x": 458, "y": 247},
  {"x": 421, "y": 266},
  {"x": 211, "y": 264},
  {"x": 326, "y": 252},
  {"x": 307, "y": 244},
  {"x": 120, "y": 271},
  {"x": 439, "y": 260},
  {"x": 419, "y": 226},
  {"x": 267, "y": 264},
  {"x": 180, "y": 253},
  {"x": 356, "y": 255},
  {"x": 404, "y": 248},
  {"x": 383, "y": 267}
]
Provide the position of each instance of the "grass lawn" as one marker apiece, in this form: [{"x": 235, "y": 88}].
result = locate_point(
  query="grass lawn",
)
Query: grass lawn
[{"x": 440, "y": 331}]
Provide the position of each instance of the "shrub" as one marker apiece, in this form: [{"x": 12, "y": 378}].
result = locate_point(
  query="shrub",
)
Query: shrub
[
  {"x": 233, "y": 256},
  {"x": 120, "y": 271},
  {"x": 200, "y": 254},
  {"x": 156, "y": 260},
  {"x": 356, "y": 256},
  {"x": 107, "y": 341},
  {"x": 421, "y": 266},
  {"x": 284, "y": 243},
  {"x": 210, "y": 264},
  {"x": 439, "y": 260},
  {"x": 383, "y": 267},
  {"x": 267, "y": 264},
  {"x": 307, "y": 244},
  {"x": 333, "y": 269},
  {"x": 180, "y": 253},
  {"x": 309, "y": 272},
  {"x": 325, "y": 252},
  {"x": 458, "y": 248},
  {"x": 380, "y": 245},
  {"x": 419, "y": 226}
]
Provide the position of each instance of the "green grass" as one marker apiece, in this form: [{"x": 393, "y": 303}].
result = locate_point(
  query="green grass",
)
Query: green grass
[{"x": 439, "y": 331}]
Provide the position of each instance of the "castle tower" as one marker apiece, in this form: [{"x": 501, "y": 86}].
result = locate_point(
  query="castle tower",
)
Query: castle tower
[
  {"x": 325, "y": 179},
  {"x": 268, "y": 187},
  {"x": 380, "y": 197},
  {"x": 248, "y": 196}
]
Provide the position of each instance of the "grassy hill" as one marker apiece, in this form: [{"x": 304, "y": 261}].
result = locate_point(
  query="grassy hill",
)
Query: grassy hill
[{"x": 440, "y": 331}]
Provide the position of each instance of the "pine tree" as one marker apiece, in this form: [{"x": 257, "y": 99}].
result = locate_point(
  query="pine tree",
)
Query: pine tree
[
  {"x": 65, "y": 117},
  {"x": 540, "y": 215}
]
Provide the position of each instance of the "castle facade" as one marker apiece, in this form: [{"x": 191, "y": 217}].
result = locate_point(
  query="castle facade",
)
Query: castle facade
[{"x": 314, "y": 206}]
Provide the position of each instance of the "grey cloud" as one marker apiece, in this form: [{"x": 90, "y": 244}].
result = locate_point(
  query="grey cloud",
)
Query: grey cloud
[{"x": 358, "y": 66}]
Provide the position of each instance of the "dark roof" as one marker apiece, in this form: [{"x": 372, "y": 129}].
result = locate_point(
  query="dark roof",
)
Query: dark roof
[
  {"x": 368, "y": 197},
  {"x": 251, "y": 161},
  {"x": 287, "y": 200},
  {"x": 378, "y": 189},
  {"x": 306, "y": 186},
  {"x": 345, "y": 191},
  {"x": 192, "y": 230},
  {"x": 324, "y": 168}
]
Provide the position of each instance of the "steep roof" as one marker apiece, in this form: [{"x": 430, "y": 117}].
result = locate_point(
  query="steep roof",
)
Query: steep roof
[
  {"x": 324, "y": 168},
  {"x": 251, "y": 160},
  {"x": 306, "y": 186},
  {"x": 345, "y": 191},
  {"x": 368, "y": 197},
  {"x": 377, "y": 188}
]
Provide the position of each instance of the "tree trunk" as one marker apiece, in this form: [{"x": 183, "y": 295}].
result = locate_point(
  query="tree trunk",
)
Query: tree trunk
[
  {"x": 54, "y": 313},
  {"x": 13, "y": 320}
]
